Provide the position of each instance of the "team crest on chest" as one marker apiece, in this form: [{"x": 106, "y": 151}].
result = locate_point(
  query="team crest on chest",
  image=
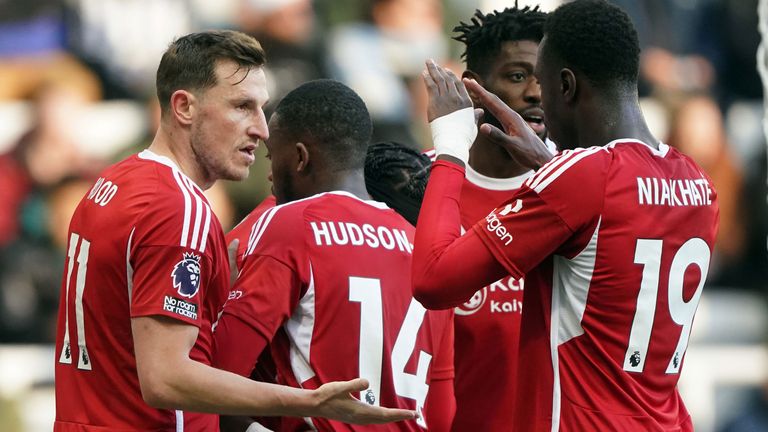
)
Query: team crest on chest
[{"x": 186, "y": 275}]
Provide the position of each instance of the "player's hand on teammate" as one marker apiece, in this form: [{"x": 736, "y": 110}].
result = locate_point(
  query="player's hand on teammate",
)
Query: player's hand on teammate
[
  {"x": 451, "y": 116},
  {"x": 517, "y": 138},
  {"x": 334, "y": 401}
]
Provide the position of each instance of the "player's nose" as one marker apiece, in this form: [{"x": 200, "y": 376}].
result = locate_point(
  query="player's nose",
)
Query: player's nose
[{"x": 258, "y": 130}]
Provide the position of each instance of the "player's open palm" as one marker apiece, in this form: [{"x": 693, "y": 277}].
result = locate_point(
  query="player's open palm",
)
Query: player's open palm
[
  {"x": 518, "y": 138},
  {"x": 335, "y": 401}
]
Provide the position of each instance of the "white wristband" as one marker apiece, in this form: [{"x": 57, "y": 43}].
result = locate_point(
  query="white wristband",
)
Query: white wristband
[{"x": 454, "y": 133}]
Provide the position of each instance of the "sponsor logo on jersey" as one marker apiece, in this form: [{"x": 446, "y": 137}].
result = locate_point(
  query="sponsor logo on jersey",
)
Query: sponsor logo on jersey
[
  {"x": 180, "y": 307},
  {"x": 495, "y": 225},
  {"x": 474, "y": 304},
  {"x": 186, "y": 275},
  {"x": 504, "y": 287}
]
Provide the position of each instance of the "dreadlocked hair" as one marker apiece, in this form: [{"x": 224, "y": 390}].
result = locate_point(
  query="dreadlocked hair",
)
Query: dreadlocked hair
[
  {"x": 405, "y": 170},
  {"x": 485, "y": 33},
  {"x": 397, "y": 175}
]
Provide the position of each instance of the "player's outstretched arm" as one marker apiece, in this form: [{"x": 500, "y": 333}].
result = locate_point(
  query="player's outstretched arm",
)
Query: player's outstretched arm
[
  {"x": 447, "y": 269},
  {"x": 517, "y": 137},
  {"x": 169, "y": 379}
]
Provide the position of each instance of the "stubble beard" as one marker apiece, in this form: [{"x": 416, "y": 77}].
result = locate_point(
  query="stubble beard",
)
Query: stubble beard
[{"x": 213, "y": 168}]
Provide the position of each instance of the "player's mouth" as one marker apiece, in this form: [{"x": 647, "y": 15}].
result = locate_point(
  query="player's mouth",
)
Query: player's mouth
[
  {"x": 535, "y": 119},
  {"x": 248, "y": 152}
]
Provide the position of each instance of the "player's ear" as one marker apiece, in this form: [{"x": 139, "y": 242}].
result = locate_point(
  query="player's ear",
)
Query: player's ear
[
  {"x": 302, "y": 157},
  {"x": 568, "y": 85},
  {"x": 473, "y": 76},
  {"x": 183, "y": 106}
]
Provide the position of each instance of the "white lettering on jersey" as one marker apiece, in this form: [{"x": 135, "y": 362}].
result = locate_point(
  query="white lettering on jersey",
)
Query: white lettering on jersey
[
  {"x": 348, "y": 233},
  {"x": 673, "y": 192},
  {"x": 494, "y": 225},
  {"x": 102, "y": 192}
]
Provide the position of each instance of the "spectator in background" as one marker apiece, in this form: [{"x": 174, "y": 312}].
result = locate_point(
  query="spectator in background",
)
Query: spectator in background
[
  {"x": 677, "y": 71},
  {"x": 381, "y": 56},
  {"x": 287, "y": 29},
  {"x": 43, "y": 156},
  {"x": 31, "y": 267}
]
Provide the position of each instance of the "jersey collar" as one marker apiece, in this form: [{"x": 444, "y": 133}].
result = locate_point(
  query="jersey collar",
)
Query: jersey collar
[{"x": 661, "y": 152}]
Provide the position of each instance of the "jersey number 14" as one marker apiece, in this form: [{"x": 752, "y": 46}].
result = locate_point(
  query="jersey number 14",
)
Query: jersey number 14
[{"x": 367, "y": 292}]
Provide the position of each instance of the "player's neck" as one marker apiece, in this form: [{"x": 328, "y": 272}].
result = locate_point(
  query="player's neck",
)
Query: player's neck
[
  {"x": 609, "y": 121},
  {"x": 352, "y": 181},
  {"x": 491, "y": 160},
  {"x": 169, "y": 145}
]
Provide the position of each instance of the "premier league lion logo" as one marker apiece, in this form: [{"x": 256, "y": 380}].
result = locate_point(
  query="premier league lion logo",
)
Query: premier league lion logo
[{"x": 186, "y": 275}]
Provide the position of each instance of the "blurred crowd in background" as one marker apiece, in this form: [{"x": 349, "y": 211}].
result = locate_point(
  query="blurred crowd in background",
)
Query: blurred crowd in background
[{"x": 77, "y": 94}]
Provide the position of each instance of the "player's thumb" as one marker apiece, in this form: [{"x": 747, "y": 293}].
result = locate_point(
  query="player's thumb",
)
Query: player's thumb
[{"x": 356, "y": 385}]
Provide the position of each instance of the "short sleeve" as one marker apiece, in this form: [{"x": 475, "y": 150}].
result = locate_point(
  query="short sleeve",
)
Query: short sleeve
[{"x": 171, "y": 259}]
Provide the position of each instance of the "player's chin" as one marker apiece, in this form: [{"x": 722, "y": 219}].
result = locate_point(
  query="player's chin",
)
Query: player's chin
[{"x": 237, "y": 173}]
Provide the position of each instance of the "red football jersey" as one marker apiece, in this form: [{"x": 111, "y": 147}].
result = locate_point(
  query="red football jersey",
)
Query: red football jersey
[
  {"x": 326, "y": 282},
  {"x": 485, "y": 368},
  {"x": 615, "y": 243},
  {"x": 142, "y": 242},
  {"x": 242, "y": 230}
]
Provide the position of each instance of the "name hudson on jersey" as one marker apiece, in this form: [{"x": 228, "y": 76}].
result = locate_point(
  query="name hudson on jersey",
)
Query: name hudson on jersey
[
  {"x": 347, "y": 233},
  {"x": 673, "y": 192}
]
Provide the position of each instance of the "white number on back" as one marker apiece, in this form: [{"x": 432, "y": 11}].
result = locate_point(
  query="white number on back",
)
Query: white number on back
[
  {"x": 83, "y": 361},
  {"x": 648, "y": 253},
  {"x": 367, "y": 292}
]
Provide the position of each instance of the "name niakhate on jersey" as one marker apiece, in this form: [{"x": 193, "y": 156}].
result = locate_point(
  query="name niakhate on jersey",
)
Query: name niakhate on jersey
[{"x": 673, "y": 192}]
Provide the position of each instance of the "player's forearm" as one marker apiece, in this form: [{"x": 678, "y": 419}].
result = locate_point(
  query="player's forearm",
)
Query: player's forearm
[
  {"x": 438, "y": 226},
  {"x": 441, "y": 406},
  {"x": 440, "y": 254},
  {"x": 193, "y": 386}
]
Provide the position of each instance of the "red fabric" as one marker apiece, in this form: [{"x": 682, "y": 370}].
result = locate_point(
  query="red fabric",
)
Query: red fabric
[
  {"x": 588, "y": 230},
  {"x": 14, "y": 187},
  {"x": 487, "y": 326},
  {"x": 242, "y": 231},
  {"x": 448, "y": 268},
  {"x": 315, "y": 272},
  {"x": 440, "y": 407},
  {"x": 154, "y": 248}
]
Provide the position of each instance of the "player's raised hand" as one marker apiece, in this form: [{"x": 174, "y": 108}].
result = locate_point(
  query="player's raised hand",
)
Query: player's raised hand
[
  {"x": 334, "y": 400},
  {"x": 517, "y": 138},
  {"x": 450, "y": 113},
  {"x": 446, "y": 91}
]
